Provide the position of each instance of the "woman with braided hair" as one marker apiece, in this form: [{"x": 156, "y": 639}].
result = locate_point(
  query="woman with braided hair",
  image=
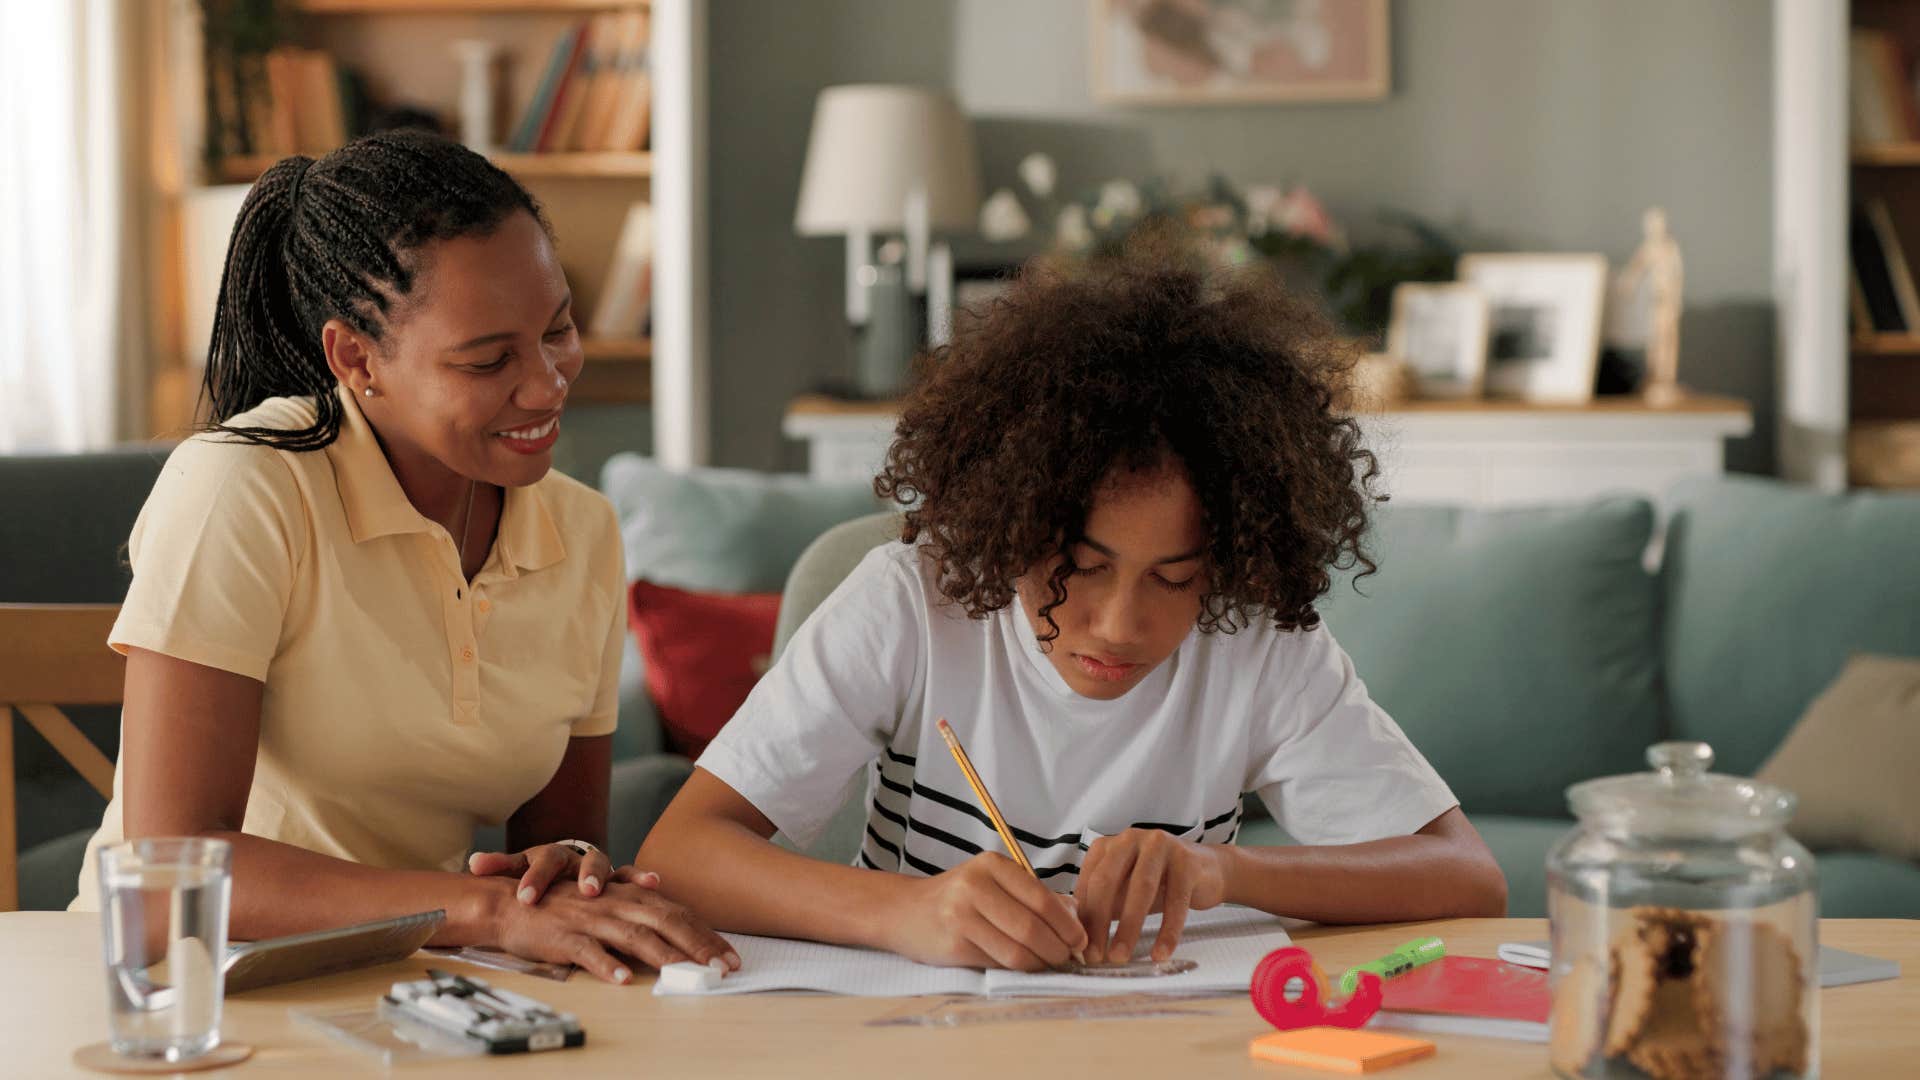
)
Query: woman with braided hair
[{"x": 366, "y": 616}]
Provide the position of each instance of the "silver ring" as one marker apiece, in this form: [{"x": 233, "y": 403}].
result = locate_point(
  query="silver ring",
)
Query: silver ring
[{"x": 578, "y": 847}]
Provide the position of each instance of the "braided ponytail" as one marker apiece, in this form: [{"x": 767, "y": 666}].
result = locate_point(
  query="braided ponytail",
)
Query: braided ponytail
[{"x": 334, "y": 239}]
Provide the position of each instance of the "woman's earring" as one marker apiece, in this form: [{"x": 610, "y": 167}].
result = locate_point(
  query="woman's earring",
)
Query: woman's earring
[{"x": 368, "y": 391}]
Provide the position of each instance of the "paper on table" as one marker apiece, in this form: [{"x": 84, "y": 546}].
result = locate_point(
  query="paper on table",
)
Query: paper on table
[
  {"x": 1225, "y": 944},
  {"x": 1838, "y": 967}
]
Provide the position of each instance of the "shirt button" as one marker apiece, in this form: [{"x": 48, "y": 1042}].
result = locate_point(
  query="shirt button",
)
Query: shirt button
[
  {"x": 467, "y": 654},
  {"x": 485, "y": 605}
]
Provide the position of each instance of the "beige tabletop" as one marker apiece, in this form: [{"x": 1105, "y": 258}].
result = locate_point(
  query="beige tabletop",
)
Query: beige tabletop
[{"x": 52, "y": 999}]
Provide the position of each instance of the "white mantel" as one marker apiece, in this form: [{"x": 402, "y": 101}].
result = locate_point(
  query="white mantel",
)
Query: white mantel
[{"x": 1480, "y": 453}]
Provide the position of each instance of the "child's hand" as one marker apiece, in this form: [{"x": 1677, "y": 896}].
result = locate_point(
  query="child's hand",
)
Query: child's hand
[
  {"x": 986, "y": 912},
  {"x": 1130, "y": 876}
]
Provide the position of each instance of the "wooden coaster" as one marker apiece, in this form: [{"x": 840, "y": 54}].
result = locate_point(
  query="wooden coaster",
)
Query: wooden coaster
[{"x": 100, "y": 1058}]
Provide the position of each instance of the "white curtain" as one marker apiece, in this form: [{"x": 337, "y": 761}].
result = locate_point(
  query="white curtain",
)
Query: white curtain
[{"x": 64, "y": 207}]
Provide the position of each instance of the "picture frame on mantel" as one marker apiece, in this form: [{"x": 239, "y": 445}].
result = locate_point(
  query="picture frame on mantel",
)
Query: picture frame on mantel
[
  {"x": 1215, "y": 52},
  {"x": 1439, "y": 330},
  {"x": 1543, "y": 323}
]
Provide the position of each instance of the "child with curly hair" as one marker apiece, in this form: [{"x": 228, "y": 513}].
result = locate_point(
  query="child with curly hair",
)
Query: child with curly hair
[{"x": 1124, "y": 489}]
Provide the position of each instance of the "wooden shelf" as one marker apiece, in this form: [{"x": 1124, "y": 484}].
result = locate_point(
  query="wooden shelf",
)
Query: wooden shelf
[
  {"x": 626, "y": 382},
  {"x": 1886, "y": 154},
  {"x": 1886, "y": 344},
  {"x": 246, "y": 168},
  {"x": 617, "y": 350},
  {"x": 577, "y": 166},
  {"x": 458, "y": 7}
]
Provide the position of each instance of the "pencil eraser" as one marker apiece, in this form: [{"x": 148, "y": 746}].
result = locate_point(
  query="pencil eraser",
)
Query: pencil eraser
[
  {"x": 1339, "y": 1049},
  {"x": 688, "y": 978}
]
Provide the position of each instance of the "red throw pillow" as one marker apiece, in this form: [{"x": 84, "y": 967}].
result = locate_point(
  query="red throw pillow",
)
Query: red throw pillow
[{"x": 704, "y": 651}]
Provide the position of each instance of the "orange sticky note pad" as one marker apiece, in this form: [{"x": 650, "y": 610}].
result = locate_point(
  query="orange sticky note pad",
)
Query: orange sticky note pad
[{"x": 1339, "y": 1049}]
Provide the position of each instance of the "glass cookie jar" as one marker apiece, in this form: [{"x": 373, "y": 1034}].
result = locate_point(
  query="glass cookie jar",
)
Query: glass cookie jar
[{"x": 1685, "y": 928}]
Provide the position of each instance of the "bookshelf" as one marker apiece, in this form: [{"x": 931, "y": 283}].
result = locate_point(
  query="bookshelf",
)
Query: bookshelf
[
  {"x": 401, "y": 51},
  {"x": 1882, "y": 372}
]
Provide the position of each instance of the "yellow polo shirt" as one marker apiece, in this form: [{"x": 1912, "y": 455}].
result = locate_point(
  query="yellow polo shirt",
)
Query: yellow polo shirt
[{"x": 403, "y": 705}]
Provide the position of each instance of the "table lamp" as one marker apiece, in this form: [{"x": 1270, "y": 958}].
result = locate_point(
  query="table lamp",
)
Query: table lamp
[{"x": 890, "y": 159}]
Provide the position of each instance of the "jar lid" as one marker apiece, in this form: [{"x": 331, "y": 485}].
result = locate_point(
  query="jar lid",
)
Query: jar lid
[{"x": 1681, "y": 798}]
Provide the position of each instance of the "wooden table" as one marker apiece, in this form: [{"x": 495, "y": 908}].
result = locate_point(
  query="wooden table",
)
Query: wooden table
[{"x": 52, "y": 999}]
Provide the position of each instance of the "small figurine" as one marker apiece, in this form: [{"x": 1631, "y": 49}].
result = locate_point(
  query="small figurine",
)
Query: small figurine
[{"x": 1657, "y": 263}]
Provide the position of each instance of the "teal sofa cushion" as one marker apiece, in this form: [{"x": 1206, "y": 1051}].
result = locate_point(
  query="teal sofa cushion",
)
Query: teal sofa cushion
[
  {"x": 1769, "y": 589},
  {"x": 722, "y": 530},
  {"x": 1515, "y": 647}
]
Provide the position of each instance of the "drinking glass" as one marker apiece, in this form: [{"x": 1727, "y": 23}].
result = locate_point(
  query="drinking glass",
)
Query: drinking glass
[{"x": 163, "y": 924}]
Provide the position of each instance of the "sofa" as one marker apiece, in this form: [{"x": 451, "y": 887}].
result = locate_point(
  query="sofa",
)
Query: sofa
[
  {"x": 1521, "y": 650},
  {"x": 1525, "y": 650}
]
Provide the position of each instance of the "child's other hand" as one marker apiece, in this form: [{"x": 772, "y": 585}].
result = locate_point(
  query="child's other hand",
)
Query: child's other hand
[
  {"x": 1141, "y": 871},
  {"x": 986, "y": 912}
]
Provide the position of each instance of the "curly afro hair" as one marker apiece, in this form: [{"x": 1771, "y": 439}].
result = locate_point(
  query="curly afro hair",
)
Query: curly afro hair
[{"x": 1145, "y": 359}]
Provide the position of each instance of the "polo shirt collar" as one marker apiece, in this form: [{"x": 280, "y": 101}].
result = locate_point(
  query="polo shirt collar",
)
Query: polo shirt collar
[{"x": 528, "y": 538}]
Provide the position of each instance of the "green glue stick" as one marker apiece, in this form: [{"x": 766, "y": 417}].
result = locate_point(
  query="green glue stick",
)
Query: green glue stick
[{"x": 1401, "y": 960}]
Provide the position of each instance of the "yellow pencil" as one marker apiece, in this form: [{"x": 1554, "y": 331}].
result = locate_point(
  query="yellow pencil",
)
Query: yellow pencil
[
  {"x": 986, "y": 803},
  {"x": 986, "y": 800}
]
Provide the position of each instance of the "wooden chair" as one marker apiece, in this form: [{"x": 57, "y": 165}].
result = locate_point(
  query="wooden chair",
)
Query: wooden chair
[{"x": 52, "y": 654}]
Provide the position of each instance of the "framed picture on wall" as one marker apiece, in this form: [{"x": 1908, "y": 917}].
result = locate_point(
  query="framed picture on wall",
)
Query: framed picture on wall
[
  {"x": 1199, "y": 52},
  {"x": 1440, "y": 331},
  {"x": 1543, "y": 323}
]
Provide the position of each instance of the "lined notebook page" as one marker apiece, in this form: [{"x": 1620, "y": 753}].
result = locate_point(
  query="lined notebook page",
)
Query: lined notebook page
[
  {"x": 1226, "y": 943},
  {"x": 779, "y": 964}
]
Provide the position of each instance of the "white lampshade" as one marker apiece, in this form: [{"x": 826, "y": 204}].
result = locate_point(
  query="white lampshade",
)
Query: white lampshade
[{"x": 872, "y": 147}]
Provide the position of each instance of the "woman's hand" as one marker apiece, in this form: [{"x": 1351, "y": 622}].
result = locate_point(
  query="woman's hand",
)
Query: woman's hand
[
  {"x": 538, "y": 867},
  {"x": 986, "y": 912},
  {"x": 602, "y": 933},
  {"x": 1140, "y": 871}
]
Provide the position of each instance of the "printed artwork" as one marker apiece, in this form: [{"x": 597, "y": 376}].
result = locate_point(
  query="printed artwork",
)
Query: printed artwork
[{"x": 1210, "y": 51}]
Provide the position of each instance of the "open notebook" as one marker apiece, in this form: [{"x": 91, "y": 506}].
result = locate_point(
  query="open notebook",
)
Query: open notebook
[{"x": 1225, "y": 944}]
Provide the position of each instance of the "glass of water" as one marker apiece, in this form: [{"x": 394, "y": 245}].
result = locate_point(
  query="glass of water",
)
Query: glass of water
[{"x": 163, "y": 921}]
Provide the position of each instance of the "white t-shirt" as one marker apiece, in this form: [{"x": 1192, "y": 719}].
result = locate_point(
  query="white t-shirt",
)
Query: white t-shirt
[{"x": 865, "y": 678}]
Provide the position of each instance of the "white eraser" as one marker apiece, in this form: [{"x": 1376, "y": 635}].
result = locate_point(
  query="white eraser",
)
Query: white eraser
[{"x": 688, "y": 978}]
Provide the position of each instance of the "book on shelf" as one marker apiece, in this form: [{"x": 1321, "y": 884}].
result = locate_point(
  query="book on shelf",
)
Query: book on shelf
[
  {"x": 1857, "y": 310},
  {"x": 575, "y": 85},
  {"x": 304, "y": 103},
  {"x": 632, "y": 110},
  {"x": 1897, "y": 268},
  {"x": 595, "y": 93},
  {"x": 1880, "y": 98},
  {"x": 627, "y": 296},
  {"x": 596, "y": 102},
  {"x": 526, "y": 134},
  {"x": 1876, "y": 276},
  {"x": 544, "y": 113}
]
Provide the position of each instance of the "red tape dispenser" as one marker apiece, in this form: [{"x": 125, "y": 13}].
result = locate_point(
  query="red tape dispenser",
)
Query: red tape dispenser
[{"x": 1309, "y": 1004}]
